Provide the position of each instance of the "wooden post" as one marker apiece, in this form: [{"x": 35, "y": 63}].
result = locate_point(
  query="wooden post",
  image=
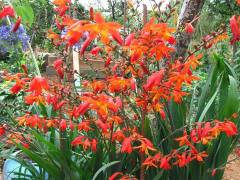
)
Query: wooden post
[
  {"x": 145, "y": 14},
  {"x": 75, "y": 62},
  {"x": 189, "y": 12},
  {"x": 76, "y": 66}
]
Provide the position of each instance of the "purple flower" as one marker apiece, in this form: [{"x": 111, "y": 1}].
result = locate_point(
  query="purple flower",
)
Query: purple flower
[{"x": 9, "y": 40}]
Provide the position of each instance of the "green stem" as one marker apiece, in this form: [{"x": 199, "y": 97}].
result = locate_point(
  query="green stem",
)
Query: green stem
[{"x": 34, "y": 59}]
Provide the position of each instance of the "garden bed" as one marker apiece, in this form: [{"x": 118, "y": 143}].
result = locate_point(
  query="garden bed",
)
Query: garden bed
[{"x": 231, "y": 172}]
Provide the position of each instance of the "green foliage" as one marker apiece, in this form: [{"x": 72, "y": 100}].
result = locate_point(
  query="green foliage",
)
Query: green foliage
[
  {"x": 10, "y": 105},
  {"x": 224, "y": 8},
  {"x": 27, "y": 14},
  {"x": 38, "y": 16},
  {"x": 216, "y": 99}
]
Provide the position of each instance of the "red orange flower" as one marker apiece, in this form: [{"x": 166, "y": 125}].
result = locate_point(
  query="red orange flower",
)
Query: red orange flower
[
  {"x": 189, "y": 28},
  {"x": 54, "y": 37},
  {"x": 154, "y": 79},
  {"x": 19, "y": 85},
  {"x": 235, "y": 27},
  {"x": 86, "y": 44},
  {"x": 16, "y": 88},
  {"x": 17, "y": 24},
  {"x": 85, "y": 126},
  {"x": 145, "y": 146},
  {"x": 127, "y": 146},
  {"x": 38, "y": 84},
  {"x": 85, "y": 142},
  {"x": 229, "y": 128},
  {"x": 2, "y": 131},
  {"x": 77, "y": 141},
  {"x": 115, "y": 175},
  {"x": 7, "y": 11},
  {"x": 104, "y": 29},
  {"x": 101, "y": 125},
  {"x": 183, "y": 140},
  {"x": 61, "y": 10},
  {"x": 165, "y": 163},
  {"x": 95, "y": 50},
  {"x": 118, "y": 136},
  {"x": 94, "y": 145},
  {"x": 129, "y": 39},
  {"x": 58, "y": 66},
  {"x": 81, "y": 109},
  {"x": 63, "y": 125},
  {"x": 183, "y": 159},
  {"x": 61, "y": 2}
]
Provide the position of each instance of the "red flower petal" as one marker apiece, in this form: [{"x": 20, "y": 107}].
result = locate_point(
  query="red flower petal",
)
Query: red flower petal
[
  {"x": 7, "y": 11},
  {"x": 16, "y": 88},
  {"x": 61, "y": 10},
  {"x": 108, "y": 61},
  {"x": 91, "y": 13},
  {"x": 78, "y": 140},
  {"x": 127, "y": 145},
  {"x": 2, "y": 131},
  {"x": 85, "y": 45},
  {"x": 235, "y": 27},
  {"x": 94, "y": 145},
  {"x": 129, "y": 39},
  {"x": 117, "y": 37},
  {"x": 17, "y": 24},
  {"x": 115, "y": 175},
  {"x": 95, "y": 51},
  {"x": 63, "y": 125},
  {"x": 154, "y": 79},
  {"x": 189, "y": 28},
  {"x": 38, "y": 84}
]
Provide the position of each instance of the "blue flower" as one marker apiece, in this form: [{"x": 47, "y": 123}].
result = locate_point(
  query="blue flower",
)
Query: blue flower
[{"x": 9, "y": 40}]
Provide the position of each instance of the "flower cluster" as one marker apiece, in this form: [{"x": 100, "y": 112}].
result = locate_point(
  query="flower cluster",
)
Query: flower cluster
[
  {"x": 111, "y": 126},
  {"x": 9, "y": 39},
  {"x": 2, "y": 130},
  {"x": 235, "y": 27},
  {"x": 203, "y": 133}
]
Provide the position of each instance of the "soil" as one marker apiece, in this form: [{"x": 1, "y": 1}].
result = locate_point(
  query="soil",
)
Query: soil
[{"x": 232, "y": 171}]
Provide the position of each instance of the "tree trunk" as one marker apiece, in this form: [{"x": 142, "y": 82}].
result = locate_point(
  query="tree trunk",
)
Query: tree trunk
[
  {"x": 190, "y": 10},
  {"x": 112, "y": 8}
]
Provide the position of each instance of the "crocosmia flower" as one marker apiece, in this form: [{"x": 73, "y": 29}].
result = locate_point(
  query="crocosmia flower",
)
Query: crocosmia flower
[
  {"x": 7, "y": 11},
  {"x": 2, "y": 131},
  {"x": 235, "y": 27},
  {"x": 38, "y": 84},
  {"x": 189, "y": 28}
]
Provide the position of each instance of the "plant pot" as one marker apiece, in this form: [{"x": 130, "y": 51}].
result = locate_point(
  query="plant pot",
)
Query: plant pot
[{"x": 11, "y": 167}]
